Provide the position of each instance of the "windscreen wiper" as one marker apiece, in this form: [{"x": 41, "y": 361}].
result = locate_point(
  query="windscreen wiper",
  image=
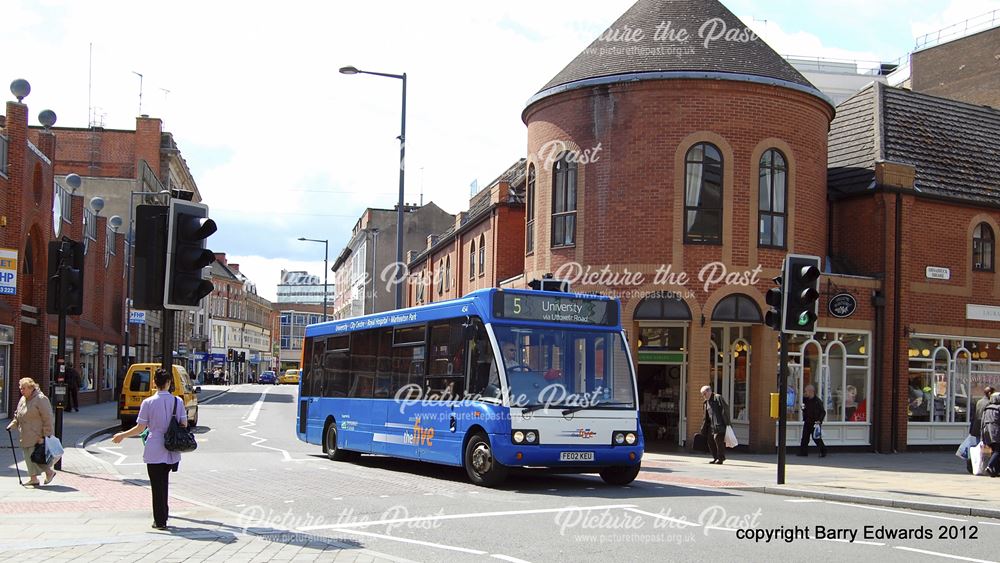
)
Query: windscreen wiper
[
  {"x": 532, "y": 408},
  {"x": 572, "y": 410}
]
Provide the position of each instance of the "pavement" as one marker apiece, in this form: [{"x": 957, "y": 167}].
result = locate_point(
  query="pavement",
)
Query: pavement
[{"x": 92, "y": 512}]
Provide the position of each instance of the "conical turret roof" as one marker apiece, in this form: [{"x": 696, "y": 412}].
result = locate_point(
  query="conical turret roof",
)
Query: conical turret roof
[{"x": 658, "y": 39}]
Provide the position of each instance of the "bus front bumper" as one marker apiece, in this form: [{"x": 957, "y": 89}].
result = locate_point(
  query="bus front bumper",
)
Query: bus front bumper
[{"x": 574, "y": 458}]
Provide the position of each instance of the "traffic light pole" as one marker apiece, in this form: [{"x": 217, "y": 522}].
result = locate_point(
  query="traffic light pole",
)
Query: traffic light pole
[
  {"x": 782, "y": 405},
  {"x": 167, "y": 342},
  {"x": 60, "y": 382}
]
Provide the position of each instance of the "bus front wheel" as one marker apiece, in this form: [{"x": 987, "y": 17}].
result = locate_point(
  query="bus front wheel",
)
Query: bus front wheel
[
  {"x": 332, "y": 451},
  {"x": 620, "y": 475},
  {"x": 480, "y": 464}
]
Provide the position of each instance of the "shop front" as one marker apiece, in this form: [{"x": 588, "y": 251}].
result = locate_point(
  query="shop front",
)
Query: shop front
[
  {"x": 945, "y": 379},
  {"x": 6, "y": 378},
  {"x": 88, "y": 369},
  {"x": 662, "y": 370},
  {"x": 110, "y": 372},
  {"x": 837, "y": 364},
  {"x": 730, "y": 358}
]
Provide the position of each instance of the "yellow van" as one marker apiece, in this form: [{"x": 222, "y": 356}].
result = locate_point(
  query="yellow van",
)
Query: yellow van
[{"x": 138, "y": 385}]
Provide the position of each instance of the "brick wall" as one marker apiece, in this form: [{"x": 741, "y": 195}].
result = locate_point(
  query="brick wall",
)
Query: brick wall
[{"x": 964, "y": 69}]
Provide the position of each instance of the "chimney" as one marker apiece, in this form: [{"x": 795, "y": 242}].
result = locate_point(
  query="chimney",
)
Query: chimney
[
  {"x": 234, "y": 267},
  {"x": 410, "y": 255},
  {"x": 220, "y": 257},
  {"x": 460, "y": 218},
  {"x": 47, "y": 143},
  {"x": 431, "y": 240}
]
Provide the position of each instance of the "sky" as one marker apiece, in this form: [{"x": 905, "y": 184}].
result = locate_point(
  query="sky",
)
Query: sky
[{"x": 283, "y": 146}]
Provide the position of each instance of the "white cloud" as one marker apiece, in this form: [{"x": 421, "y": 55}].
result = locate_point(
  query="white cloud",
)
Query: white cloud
[{"x": 951, "y": 21}]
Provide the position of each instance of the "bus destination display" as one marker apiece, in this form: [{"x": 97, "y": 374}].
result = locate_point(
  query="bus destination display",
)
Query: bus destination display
[{"x": 548, "y": 308}]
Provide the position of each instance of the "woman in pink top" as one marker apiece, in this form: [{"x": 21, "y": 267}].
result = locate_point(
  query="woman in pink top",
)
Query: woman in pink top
[{"x": 155, "y": 413}]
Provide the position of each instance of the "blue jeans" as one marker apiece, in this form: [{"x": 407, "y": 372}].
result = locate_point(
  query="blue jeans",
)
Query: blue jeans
[{"x": 994, "y": 463}]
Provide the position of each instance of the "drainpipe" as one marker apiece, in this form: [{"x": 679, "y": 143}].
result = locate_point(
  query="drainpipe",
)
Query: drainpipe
[
  {"x": 897, "y": 284},
  {"x": 878, "y": 301}
]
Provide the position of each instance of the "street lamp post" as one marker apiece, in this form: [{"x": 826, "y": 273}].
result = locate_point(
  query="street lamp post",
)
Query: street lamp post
[
  {"x": 326, "y": 268},
  {"x": 131, "y": 264},
  {"x": 402, "y": 156}
]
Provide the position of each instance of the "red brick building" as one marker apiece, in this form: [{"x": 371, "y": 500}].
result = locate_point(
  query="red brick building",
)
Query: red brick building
[
  {"x": 484, "y": 248},
  {"x": 36, "y": 209},
  {"x": 676, "y": 174}
]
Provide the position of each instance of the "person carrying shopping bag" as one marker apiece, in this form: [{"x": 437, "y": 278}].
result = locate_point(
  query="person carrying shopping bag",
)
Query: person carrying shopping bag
[
  {"x": 34, "y": 422},
  {"x": 155, "y": 414},
  {"x": 991, "y": 434},
  {"x": 813, "y": 415}
]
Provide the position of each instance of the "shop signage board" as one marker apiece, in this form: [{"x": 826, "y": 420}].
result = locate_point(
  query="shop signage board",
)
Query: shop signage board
[
  {"x": 842, "y": 305},
  {"x": 8, "y": 271},
  {"x": 982, "y": 312}
]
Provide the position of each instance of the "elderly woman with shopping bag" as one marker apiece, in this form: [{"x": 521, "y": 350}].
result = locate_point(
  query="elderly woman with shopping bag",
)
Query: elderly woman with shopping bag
[{"x": 34, "y": 422}]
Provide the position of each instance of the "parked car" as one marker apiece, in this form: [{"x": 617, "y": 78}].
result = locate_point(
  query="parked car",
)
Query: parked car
[
  {"x": 268, "y": 377},
  {"x": 290, "y": 376}
]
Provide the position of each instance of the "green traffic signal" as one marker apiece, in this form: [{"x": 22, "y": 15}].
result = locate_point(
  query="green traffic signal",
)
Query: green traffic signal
[{"x": 804, "y": 318}]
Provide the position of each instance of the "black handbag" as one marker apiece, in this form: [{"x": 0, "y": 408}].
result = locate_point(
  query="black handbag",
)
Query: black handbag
[
  {"x": 38, "y": 455},
  {"x": 178, "y": 438}
]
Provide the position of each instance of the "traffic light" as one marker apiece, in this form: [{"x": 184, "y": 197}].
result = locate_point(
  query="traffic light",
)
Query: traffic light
[
  {"x": 774, "y": 298},
  {"x": 65, "y": 278},
  {"x": 150, "y": 256},
  {"x": 230, "y": 355},
  {"x": 801, "y": 297},
  {"x": 187, "y": 256}
]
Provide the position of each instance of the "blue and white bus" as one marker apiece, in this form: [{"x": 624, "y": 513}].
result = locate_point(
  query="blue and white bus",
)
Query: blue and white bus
[{"x": 425, "y": 383}]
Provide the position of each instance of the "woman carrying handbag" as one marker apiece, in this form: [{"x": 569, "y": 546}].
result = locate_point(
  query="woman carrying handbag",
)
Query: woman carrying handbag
[
  {"x": 155, "y": 414},
  {"x": 34, "y": 422}
]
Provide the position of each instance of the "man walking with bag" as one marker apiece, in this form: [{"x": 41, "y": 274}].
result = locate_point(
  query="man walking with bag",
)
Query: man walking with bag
[
  {"x": 715, "y": 424},
  {"x": 813, "y": 413},
  {"x": 72, "y": 389}
]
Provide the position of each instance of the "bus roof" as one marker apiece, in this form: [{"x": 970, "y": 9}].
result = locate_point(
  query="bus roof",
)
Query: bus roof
[{"x": 477, "y": 303}]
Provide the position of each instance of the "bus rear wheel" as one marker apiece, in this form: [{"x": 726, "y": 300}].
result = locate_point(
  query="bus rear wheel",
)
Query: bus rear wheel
[
  {"x": 330, "y": 443},
  {"x": 620, "y": 474},
  {"x": 480, "y": 464}
]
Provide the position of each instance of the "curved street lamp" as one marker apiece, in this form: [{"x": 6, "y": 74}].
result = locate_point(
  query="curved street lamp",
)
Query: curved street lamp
[{"x": 402, "y": 157}]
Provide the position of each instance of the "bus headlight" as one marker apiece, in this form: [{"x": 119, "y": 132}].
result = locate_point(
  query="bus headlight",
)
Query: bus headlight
[
  {"x": 518, "y": 437},
  {"x": 531, "y": 436},
  {"x": 619, "y": 438},
  {"x": 630, "y": 438}
]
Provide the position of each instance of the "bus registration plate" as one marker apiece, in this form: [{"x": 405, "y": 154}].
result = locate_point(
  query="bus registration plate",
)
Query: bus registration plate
[{"x": 576, "y": 456}]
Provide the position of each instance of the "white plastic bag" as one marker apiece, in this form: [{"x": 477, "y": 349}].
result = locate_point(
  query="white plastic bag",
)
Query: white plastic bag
[
  {"x": 53, "y": 449},
  {"x": 963, "y": 449},
  {"x": 818, "y": 432},
  {"x": 977, "y": 455},
  {"x": 731, "y": 441}
]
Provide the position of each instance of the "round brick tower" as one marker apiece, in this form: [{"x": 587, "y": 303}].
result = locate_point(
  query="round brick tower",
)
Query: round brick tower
[{"x": 679, "y": 143}]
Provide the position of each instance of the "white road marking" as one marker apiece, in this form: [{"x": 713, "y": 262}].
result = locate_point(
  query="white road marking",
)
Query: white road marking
[
  {"x": 461, "y": 516},
  {"x": 803, "y": 500},
  {"x": 991, "y": 523},
  {"x": 508, "y": 558},
  {"x": 255, "y": 412},
  {"x": 855, "y": 541},
  {"x": 251, "y": 421},
  {"x": 121, "y": 458},
  {"x": 417, "y": 542},
  {"x": 896, "y": 511},
  {"x": 662, "y": 517},
  {"x": 945, "y": 555}
]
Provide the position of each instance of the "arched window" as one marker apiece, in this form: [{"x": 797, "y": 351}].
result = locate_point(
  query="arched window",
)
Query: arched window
[
  {"x": 529, "y": 215},
  {"x": 563, "y": 202},
  {"x": 703, "y": 195},
  {"x": 472, "y": 260},
  {"x": 982, "y": 248},
  {"x": 482, "y": 255},
  {"x": 441, "y": 278},
  {"x": 447, "y": 272},
  {"x": 773, "y": 191}
]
